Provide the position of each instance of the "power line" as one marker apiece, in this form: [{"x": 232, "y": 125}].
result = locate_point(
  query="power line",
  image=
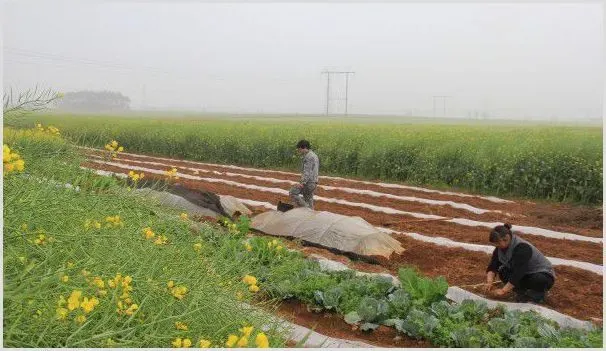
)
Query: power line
[{"x": 55, "y": 57}]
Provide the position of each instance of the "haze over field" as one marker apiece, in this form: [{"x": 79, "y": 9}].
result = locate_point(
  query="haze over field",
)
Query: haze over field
[{"x": 539, "y": 61}]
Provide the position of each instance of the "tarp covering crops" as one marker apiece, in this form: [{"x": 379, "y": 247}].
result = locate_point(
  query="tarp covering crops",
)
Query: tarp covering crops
[{"x": 344, "y": 233}]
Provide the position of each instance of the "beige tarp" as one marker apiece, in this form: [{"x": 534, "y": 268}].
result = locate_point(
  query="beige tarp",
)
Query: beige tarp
[{"x": 344, "y": 233}]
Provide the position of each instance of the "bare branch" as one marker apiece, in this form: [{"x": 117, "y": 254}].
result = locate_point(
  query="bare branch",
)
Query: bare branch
[{"x": 28, "y": 101}]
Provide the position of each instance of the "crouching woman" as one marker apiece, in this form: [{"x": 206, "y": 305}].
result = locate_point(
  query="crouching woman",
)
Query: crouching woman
[{"x": 521, "y": 266}]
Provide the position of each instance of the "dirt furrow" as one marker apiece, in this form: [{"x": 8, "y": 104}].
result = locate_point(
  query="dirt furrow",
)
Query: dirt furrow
[
  {"x": 559, "y": 217},
  {"x": 568, "y": 249},
  {"x": 576, "y": 292}
]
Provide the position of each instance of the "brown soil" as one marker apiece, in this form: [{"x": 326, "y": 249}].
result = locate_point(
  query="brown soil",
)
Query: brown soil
[
  {"x": 574, "y": 250},
  {"x": 583, "y": 220},
  {"x": 576, "y": 292},
  {"x": 332, "y": 325},
  {"x": 560, "y": 217}
]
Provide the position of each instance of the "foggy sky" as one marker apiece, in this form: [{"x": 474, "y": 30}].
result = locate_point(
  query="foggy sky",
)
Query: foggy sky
[{"x": 516, "y": 60}]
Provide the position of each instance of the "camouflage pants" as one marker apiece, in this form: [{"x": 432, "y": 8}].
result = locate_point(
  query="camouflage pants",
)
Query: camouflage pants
[{"x": 303, "y": 197}]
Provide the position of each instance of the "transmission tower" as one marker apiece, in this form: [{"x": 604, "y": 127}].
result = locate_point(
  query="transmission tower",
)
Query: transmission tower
[{"x": 328, "y": 97}]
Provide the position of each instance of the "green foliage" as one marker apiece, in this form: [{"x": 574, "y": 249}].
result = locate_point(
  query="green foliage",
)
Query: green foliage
[
  {"x": 373, "y": 310},
  {"x": 419, "y": 324},
  {"x": 557, "y": 163},
  {"x": 423, "y": 290}
]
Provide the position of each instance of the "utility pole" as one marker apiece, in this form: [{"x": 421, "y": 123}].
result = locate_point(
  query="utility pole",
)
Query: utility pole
[
  {"x": 443, "y": 97},
  {"x": 143, "y": 98},
  {"x": 328, "y": 73}
]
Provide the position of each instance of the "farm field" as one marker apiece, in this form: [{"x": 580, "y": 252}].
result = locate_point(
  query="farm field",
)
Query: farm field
[
  {"x": 560, "y": 163},
  {"x": 443, "y": 230},
  {"x": 459, "y": 265}
]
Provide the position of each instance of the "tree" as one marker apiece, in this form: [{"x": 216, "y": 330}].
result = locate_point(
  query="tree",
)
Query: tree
[{"x": 94, "y": 101}]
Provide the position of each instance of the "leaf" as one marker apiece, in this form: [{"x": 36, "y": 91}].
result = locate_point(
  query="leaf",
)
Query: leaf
[
  {"x": 371, "y": 309},
  {"x": 352, "y": 318},
  {"x": 331, "y": 297},
  {"x": 368, "y": 326},
  {"x": 525, "y": 342},
  {"x": 399, "y": 303},
  {"x": 424, "y": 291},
  {"x": 393, "y": 322},
  {"x": 419, "y": 324},
  {"x": 468, "y": 337}
]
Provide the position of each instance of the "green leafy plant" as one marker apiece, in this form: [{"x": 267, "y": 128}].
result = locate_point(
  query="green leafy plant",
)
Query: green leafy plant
[{"x": 424, "y": 291}]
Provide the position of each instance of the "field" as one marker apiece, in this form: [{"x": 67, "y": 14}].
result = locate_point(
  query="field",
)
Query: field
[
  {"x": 442, "y": 227},
  {"x": 536, "y": 161}
]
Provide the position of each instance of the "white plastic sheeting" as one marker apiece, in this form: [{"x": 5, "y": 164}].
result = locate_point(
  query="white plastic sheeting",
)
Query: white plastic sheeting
[
  {"x": 344, "y": 233},
  {"x": 452, "y": 204},
  {"x": 463, "y": 221},
  {"x": 385, "y": 185},
  {"x": 177, "y": 202}
]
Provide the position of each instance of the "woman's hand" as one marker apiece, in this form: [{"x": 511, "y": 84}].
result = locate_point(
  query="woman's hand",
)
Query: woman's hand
[
  {"x": 489, "y": 280},
  {"x": 499, "y": 292}
]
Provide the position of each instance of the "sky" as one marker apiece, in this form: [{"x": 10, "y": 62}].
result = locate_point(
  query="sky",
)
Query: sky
[{"x": 510, "y": 60}]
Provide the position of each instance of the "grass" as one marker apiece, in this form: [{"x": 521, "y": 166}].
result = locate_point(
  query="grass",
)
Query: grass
[
  {"x": 560, "y": 163},
  {"x": 36, "y": 203}
]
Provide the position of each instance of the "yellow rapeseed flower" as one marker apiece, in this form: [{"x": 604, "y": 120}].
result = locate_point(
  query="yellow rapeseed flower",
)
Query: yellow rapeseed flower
[
  {"x": 231, "y": 340},
  {"x": 181, "y": 326},
  {"x": 88, "y": 305},
  {"x": 131, "y": 309},
  {"x": 62, "y": 313},
  {"x": 177, "y": 342},
  {"x": 148, "y": 233},
  {"x": 261, "y": 341},
  {"x": 183, "y": 216},
  {"x": 186, "y": 343},
  {"x": 65, "y": 278},
  {"x": 99, "y": 283},
  {"x": 161, "y": 240},
  {"x": 127, "y": 280},
  {"x": 197, "y": 247},
  {"x": 204, "y": 344},
  {"x": 243, "y": 342},
  {"x": 80, "y": 319},
  {"x": 73, "y": 301},
  {"x": 248, "y": 247},
  {"x": 253, "y": 288},
  {"x": 246, "y": 330},
  {"x": 249, "y": 280},
  {"x": 179, "y": 292},
  {"x": 170, "y": 284}
]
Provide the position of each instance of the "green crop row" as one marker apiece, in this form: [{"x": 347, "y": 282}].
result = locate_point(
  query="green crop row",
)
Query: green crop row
[{"x": 540, "y": 162}]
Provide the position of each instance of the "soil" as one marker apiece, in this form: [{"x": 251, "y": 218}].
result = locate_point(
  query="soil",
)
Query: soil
[
  {"x": 561, "y": 248},
  {"x": 576, "y": 292},
  {"x": 581, "y": 220},
  {"x": 332, "y": 325},
  {"x": 585, "y": 220}
]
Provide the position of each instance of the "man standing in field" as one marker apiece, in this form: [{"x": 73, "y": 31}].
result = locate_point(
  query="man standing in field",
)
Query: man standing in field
[{"x": 302, "y": 194}]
